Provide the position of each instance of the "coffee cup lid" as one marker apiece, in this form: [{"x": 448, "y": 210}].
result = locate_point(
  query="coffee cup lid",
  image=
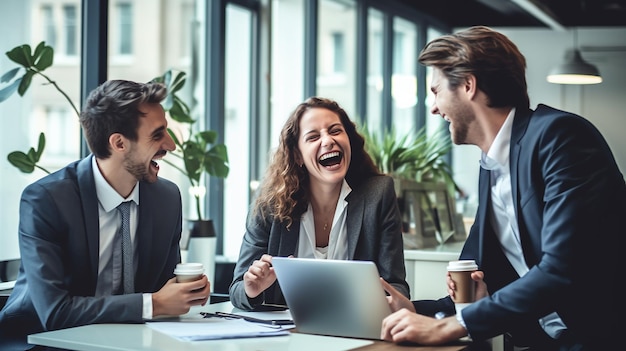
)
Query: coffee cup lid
[
  {"x": 462, "y": 265},
  {"x": 189, "y": 268}
]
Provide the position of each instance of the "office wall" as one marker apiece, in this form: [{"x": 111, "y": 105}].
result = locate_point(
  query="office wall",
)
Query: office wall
[{"x": 603, "y": 104}]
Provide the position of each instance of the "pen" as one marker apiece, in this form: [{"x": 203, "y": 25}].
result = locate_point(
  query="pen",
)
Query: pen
[{"x": 247, "y": 318}]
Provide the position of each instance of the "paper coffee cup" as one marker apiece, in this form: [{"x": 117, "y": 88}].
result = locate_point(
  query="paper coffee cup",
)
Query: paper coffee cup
[
  {"x": 187, "y": 272},
  {"x": 460, "y": 272}
]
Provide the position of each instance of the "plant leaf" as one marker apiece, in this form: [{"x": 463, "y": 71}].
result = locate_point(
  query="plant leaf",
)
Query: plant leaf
[
  {"x": 216, "y": 161},
  {"x": 25, "y": 83},
  {"x": 9, "y": 75},
  {"x": 178, "y": 83},
  {"x": 41, "y": 145},
  {"x": 44, "y": 56},
  {"x": 21, "y": 55},
  {"x": 209, "y": 136},
  {"x": 7, "y": 91},
  {"x": 21, "y": 161}
]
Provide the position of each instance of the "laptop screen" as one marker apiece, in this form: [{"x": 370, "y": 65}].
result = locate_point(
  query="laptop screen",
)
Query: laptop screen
[{"x": 333, "y": 297}]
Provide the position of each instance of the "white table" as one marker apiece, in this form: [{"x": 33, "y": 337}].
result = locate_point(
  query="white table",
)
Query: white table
[{"x": 140, "y": 337}]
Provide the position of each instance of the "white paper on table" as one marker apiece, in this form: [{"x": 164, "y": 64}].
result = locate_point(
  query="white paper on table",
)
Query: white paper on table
[{"x": 215, "y": 328}]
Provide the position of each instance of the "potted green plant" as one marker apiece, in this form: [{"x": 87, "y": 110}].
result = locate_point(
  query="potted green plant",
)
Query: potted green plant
[
  {"x": 199, "y": 152},
  {"x": 423, "y": 181},
  {"x": 412, "y": 156}
]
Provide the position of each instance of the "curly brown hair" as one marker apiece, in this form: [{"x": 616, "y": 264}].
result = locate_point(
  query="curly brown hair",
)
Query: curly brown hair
[
  {"x": 285, "y": 189},
  {"x": 495, "y": 61}
]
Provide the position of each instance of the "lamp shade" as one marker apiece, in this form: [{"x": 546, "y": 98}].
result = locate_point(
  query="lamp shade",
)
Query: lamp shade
[{"x": 574, "y": 71}]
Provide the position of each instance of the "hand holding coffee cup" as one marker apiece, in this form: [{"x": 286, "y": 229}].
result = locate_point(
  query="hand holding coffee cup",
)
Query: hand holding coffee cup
[
  {"x": 461, "y": 273},
  {"x": 188, "y": 272}
]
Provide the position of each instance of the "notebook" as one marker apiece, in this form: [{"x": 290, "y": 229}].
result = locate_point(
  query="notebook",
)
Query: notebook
[{"x": 333, "y": 297}]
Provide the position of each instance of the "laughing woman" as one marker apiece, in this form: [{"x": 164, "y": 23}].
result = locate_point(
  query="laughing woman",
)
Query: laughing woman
[{"x": 323, "y": 198}]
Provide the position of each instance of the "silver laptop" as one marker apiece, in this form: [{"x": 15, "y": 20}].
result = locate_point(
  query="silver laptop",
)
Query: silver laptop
[{"x": 333, "y": 297}]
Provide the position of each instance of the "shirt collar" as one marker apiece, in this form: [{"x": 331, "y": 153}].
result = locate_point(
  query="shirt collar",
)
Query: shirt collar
[
  {"x": 107, "y": 196},
  {"x": 498, "y": 154}
]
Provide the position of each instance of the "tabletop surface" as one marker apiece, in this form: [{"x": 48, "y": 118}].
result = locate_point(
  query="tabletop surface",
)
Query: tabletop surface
[{"x": 140, "y": 337}]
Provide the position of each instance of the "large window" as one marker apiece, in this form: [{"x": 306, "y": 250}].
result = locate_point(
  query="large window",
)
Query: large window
[
  {"x": 70, "y": 24},
  {"x": 374, "y": 70},
  {"x": 48, "y": 27},
  {"x": 263, "y": 81},
  {"x": 336, "y": 52},
  {"x": 404, "y": 80},
  {"x": 287, "y": 64},
  {"x": 125, "y": 29},
  {"x": 237, "y": 125},
  {"x": 42, "y": 109}
]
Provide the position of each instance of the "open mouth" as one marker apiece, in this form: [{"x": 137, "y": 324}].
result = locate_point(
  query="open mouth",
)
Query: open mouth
[
  {"x": 159, "y": 155},
  {"x": 331, "y": 158}
]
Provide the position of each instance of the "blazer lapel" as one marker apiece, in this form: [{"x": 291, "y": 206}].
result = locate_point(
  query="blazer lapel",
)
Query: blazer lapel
[
  {"x": 288, "y": 240},
  {"x": 520, "y": 125},
  {"x": 89, "y": 199},
  {"x": 482, "y": 217},
  {"x": 144, "y": 235},
  {"x": 354, "y": 222}
]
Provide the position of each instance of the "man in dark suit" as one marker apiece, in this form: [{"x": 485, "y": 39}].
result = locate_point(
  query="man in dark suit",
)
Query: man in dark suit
[
  {"x": 69, "y": 223},
  {"x": 549, "y": 230}
]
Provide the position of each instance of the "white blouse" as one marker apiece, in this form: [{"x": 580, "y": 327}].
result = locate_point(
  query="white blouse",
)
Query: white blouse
[{"x": 337, "y": 248}]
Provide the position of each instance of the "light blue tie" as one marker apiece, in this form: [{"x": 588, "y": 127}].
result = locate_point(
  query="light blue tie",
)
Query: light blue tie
[{"x": 128, "y": 282}]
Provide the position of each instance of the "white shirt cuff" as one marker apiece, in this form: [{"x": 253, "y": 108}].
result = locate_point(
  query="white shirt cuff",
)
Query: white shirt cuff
[
  {"x": 147, "y": 306},
  {"x": 459, "y": 318}
]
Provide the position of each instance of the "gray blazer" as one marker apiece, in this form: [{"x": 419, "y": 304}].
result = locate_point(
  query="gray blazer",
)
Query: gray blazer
[
  {"x": 374, "y": 234},
  {"x": 59, "y": 247}
]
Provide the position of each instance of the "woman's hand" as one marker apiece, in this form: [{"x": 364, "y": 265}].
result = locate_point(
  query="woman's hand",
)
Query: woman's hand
[{"x": 259, "y": 276}]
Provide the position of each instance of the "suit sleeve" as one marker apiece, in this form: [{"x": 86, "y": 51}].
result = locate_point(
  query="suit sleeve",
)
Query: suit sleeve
[
  {"x": 255, "y": 243},
  {"x": 391, "y": 255}
]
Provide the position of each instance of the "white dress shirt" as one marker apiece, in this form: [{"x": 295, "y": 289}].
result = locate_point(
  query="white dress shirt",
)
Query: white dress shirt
[
  {"x": 337, "y": 248},
  {"x": 109, "y": 223}
]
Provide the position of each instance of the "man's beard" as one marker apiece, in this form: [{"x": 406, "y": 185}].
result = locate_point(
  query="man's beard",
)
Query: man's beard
[{"x": 137, "y": 169}]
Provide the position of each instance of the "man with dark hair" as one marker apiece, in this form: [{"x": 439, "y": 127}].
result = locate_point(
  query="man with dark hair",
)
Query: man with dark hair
[
  {"x": 76, "y": 266},
  {"x": 549, "y": 230}
]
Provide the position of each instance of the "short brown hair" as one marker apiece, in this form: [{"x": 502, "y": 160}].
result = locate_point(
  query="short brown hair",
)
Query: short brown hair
[
  {"x": 113, "y": 107},
  {"x": 495, "y": 61}
]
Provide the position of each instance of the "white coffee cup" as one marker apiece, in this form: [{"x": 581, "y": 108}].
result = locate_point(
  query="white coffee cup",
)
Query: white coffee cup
[
  {"x": 460, "y": 272},
  {"x": 187, "y": 272}
]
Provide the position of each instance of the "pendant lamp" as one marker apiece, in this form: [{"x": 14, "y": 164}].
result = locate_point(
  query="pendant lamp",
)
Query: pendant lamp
[{"x": 574, "y": 70}]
